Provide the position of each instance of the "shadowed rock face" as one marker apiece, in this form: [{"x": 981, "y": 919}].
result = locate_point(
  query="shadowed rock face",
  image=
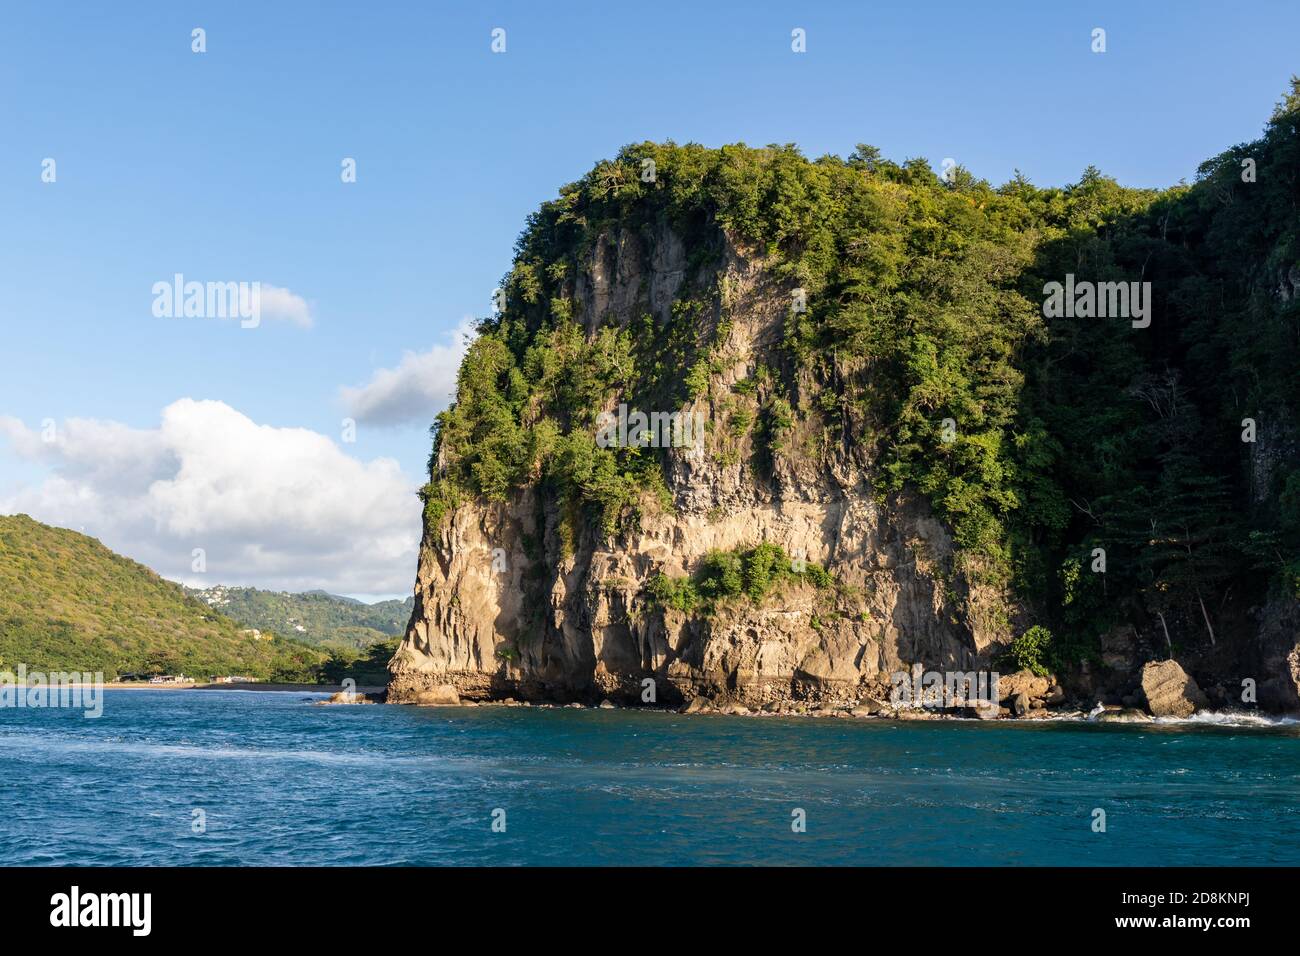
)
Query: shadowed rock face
[
  {"x": 507, "y": 606},
  {"x": 1279, "y": 656}
]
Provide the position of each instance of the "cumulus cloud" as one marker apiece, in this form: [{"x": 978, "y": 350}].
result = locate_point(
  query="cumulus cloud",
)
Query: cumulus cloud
[
  {"x": 422, "y": 384},
  {"x": 280, "y": 508},
  {"x": 249, "y": 302},
  {"x": 281, "y": 305}
]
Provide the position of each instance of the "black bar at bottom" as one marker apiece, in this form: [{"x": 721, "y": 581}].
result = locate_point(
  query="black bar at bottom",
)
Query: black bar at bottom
[{"x": 361, "y": 906}]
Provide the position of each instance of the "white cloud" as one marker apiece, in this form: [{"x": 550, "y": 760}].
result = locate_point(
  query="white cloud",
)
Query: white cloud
[
  {"x": 280, "y": 508},
  {"x": 281, "y": 305},
  {"x": 422, "y": 384}
]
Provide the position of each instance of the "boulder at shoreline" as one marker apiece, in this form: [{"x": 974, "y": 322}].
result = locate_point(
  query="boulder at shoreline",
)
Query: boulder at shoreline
[{"x": 1169, "y": 691}]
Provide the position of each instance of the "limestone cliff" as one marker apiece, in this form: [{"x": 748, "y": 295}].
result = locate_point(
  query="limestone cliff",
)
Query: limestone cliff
[{"x": 508, "y": 604}]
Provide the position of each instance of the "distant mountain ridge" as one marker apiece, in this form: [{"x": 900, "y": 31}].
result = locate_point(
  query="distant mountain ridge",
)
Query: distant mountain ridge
[{"x": 317, "y": 617}]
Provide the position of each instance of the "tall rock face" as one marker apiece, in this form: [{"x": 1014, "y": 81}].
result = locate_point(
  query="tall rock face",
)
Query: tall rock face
[
  {"x": 889, "y": 442},
  {"x": 513, "y": 599}
]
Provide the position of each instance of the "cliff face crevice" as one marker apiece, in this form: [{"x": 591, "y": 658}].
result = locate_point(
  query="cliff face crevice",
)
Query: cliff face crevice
[{"x": 514, "y": 599}]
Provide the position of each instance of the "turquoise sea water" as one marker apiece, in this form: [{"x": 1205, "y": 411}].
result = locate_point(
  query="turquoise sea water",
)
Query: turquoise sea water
[{"x": 281, "y": 781}]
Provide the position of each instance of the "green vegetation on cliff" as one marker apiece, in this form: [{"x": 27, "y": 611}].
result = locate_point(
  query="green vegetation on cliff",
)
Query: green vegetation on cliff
[
  {"x": 753, "y": 572},
  {"x": 1036, "y": 440}
]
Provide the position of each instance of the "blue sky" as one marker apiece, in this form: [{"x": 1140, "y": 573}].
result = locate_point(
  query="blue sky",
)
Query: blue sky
[{"x": 225, "y": 165}]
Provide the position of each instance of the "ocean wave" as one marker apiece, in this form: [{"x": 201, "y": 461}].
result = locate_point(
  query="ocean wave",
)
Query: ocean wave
[
  {"x": 51, "y": 743},
  {"x": 1229, "y": 718},
  {"x": 1211, "y": 718}
]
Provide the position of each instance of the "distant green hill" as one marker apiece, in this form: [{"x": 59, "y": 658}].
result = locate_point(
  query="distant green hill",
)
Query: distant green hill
[
  {"x": 67, "y": 603},
  {"x": 316, "y": 617}
]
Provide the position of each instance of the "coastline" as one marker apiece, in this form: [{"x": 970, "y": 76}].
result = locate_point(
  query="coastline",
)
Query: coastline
[
  {"x": 307, "y": 688},
  {"x": 189, "y": 685},
  {"x": 371, "y": 694},
  {"x": 1204, "y": 718}
]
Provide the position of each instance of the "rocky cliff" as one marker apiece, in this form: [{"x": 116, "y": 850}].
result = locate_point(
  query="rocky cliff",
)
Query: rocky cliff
[
  {"x": 507, "y": 607},
  {"x": 759, "y": 430}
]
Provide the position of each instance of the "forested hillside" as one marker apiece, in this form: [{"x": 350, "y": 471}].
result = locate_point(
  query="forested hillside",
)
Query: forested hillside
[
  {"x": 311, "y": 616},
  {"x": 67, "y": 603}
]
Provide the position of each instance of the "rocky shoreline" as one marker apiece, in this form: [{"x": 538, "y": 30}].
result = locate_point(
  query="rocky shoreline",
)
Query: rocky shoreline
[
  {"x": 1165, "y": 692},
  {"x": 1102, "y": 714}
]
